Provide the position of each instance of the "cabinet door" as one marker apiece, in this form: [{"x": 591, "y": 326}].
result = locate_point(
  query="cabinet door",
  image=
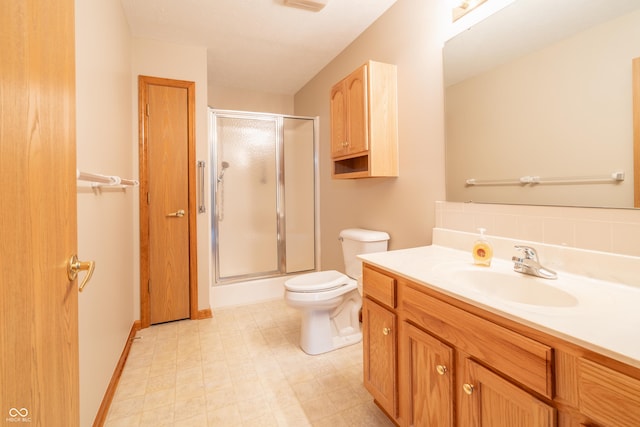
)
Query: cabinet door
[
  {"x": 338, "y": 106},
  {"x": 357, "y": 111},
  {"x": 379, "y": 350},
  {"x": 429, "y": 368},
  {"x": 608, "y": 396},
  {"x": 487, "y": 399}
]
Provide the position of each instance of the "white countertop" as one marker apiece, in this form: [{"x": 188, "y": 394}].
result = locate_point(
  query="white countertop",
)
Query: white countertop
[{"x": 605, "y": 319}]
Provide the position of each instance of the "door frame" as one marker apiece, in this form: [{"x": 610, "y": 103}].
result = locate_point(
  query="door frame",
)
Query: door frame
[
  {"x": 635, "y": 71},
  {"x": 143, "y": 123}
]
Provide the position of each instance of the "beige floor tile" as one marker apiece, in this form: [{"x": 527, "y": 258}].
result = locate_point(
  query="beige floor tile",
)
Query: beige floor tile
[
  {"x": 131, "y": 389},
  {"x": 228, "y": 415},
  {"x": 196, "y": 421},
  {"x": 158, "y": 416},
  {"x": 161, "y": 382},
  {"x": 159, "y": 398},
  {"x": 126, "y": 408},
  {"x": 189, "y": 407},
  {"x": 335, "y": 420},
  {"x": 242, "y": 368},
  {"x": 317, "y": 408},
  {"x": 130, "y": 421},
  {"x": 291, "y": 415}
]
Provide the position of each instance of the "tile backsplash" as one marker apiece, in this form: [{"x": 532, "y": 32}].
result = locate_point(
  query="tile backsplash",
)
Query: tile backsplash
[{"x": 597, "y": 229}]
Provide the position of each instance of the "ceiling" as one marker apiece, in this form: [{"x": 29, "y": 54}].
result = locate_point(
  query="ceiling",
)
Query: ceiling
[{"x": 258, "y": 45}]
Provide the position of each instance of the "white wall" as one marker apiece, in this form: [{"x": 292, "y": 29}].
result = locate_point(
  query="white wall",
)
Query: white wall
[
  {"x": 172, "y": 61},
  {"x": 410, "y": 34},
  {"x": 224, "y": 98},
  {"x": 105, "y": 221}
]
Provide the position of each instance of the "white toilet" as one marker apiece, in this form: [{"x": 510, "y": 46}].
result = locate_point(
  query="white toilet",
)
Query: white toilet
[{"x": 329, "y": 300}]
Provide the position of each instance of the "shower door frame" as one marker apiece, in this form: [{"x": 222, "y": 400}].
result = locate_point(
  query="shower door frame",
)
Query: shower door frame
[{"x": 280, "y": 197}]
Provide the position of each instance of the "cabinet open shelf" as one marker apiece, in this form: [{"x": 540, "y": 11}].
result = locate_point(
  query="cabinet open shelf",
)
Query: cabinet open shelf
[{"x": 353, "y": 167}]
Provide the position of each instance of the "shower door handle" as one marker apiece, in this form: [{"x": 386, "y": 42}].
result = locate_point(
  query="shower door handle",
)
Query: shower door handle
[{"x": 178, "y": 214}]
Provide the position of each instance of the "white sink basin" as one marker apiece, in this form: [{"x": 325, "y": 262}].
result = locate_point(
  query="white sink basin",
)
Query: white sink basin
[{"x": 508, "y": 285}]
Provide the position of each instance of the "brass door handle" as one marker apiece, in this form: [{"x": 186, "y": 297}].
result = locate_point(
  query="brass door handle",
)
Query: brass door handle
[
  {"x": 441, "y": 369},
  {"x": 178, "y": 214},
  {"x": 386, "y": 331},
  {"x": 76, "y": 266},
  {"x": 468, "y": 388}
]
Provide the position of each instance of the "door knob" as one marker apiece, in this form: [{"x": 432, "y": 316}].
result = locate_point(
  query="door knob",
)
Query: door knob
[
  {"x": 468, "y": 388},
  {"x": 178, "y": 214},
  {"x": 76, "y": 266},
  {"x": 386, "y": 331}
]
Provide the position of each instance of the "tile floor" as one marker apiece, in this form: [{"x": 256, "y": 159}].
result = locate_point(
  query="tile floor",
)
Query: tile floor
[{"x": 243, "y": 367}]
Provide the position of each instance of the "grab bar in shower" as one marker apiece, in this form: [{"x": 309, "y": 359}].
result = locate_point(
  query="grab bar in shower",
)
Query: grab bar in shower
[{"x": 201, "y": 205}]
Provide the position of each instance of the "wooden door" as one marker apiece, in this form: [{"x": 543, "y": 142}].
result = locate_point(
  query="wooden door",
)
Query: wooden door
[
  {"x": 39, "y": 382},
  {"x": 490, "y": 400},
  {"x": 379, "y": 348},
  {"x": 429, "y": 366},
  {"x": 168, "y": 201}
]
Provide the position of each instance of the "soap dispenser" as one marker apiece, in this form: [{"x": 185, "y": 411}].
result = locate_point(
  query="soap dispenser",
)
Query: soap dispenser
[{"x": 482, "y": 250}]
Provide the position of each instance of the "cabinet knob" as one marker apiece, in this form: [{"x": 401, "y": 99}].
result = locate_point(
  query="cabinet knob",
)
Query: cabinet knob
[
  {"x": 441, "y": 369},
  {"x": 468, "y": 388},
  {"x": 386, "y": 331}
]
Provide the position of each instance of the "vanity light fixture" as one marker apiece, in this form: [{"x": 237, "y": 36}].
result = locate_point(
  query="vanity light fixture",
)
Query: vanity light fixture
[{"x": 312, "y": 5}]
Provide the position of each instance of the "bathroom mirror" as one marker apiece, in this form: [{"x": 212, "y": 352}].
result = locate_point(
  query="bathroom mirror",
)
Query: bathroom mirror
[{"x": 538, "y": 105}]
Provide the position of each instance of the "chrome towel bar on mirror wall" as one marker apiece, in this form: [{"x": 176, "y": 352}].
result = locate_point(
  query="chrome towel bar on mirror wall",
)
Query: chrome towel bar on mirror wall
[{"x": 613, "y": 178}]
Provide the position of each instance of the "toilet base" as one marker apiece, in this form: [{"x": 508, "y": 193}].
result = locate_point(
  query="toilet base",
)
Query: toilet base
[{"x": 326, "y": 329}]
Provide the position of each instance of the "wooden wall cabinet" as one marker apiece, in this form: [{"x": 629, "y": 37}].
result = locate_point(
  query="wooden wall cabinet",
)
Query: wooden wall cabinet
[
  {"x": 364, "y": 123},
  {"x": 454, "y": 364}
]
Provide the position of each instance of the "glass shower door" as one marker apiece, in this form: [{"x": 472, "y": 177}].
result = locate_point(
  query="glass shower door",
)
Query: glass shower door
[
  {"x": 246, "y": 196},
  {"x": 299, "y": 194}
]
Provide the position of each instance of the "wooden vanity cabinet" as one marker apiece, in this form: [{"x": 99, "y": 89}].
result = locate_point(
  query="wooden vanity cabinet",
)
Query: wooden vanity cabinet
[
  {"x": 487, "y": 399},
  {"x": 428, "y": 368},
  {"x": 468, "y": 346},
  {"x": 379, "y": 340},
  {"x": 364, "y": 123},
  {"x": 431, "y": 360},
  {"x": 609, "y": 397}
]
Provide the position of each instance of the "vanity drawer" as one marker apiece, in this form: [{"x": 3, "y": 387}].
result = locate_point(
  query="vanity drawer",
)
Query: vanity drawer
[
  {"x": 608, "y": 396},
  {"x": 527, "y": 361},
  {"x": 379, "y": 286}
]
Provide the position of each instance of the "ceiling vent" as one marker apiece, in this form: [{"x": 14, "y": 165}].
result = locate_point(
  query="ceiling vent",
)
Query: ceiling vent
[{"x": 313, "y": 5}]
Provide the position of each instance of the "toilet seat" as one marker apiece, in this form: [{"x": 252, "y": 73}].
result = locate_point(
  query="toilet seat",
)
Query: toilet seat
[{"x": 319, "y": 281}]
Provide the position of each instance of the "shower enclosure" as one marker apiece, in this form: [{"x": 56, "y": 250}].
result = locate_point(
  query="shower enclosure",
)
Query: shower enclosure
[{"x": 264, "y": 195}]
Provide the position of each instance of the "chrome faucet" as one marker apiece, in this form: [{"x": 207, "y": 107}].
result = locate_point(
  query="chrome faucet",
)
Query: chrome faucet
[{"x": 528, "y": 263}]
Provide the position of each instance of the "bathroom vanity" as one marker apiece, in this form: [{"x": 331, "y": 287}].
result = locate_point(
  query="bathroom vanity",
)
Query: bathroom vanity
[{"x": 445, "y": 345}]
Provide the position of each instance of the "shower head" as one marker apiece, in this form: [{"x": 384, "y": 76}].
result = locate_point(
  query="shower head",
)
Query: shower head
[{"x": 224, "y": 166}]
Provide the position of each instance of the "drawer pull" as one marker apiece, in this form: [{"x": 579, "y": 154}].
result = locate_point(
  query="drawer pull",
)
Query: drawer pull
[
  {"x": 441, "y": 369},
  {"x": 468, "y": 388},
  {"x": 386, "y": 331}
]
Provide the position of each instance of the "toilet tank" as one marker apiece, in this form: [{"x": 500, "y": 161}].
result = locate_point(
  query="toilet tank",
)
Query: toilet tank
[{"x": 356, "y": 241}]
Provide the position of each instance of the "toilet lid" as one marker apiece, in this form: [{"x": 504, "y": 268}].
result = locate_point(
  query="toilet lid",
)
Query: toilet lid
[{"x": 317, "y": 281}]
